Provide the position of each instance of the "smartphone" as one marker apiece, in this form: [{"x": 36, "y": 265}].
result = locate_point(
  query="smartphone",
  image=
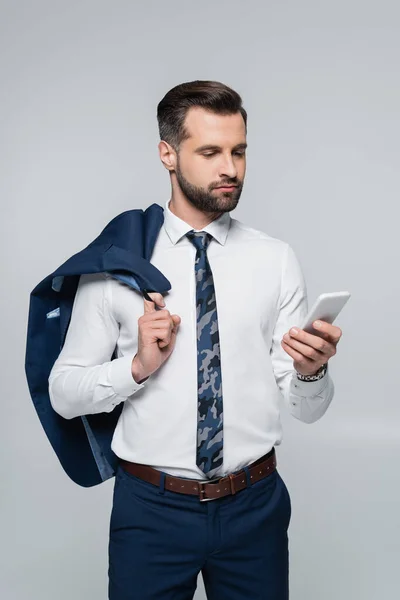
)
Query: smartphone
[{"x": 326, "y": 308}]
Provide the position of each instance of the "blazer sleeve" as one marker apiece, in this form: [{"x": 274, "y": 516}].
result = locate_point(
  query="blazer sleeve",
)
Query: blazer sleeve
[
  {"x": 306, "y": 400},
  {"x": 83, "y": 379}
]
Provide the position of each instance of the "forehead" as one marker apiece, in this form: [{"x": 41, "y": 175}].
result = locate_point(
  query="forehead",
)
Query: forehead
[{"x": 211, "y": 128}]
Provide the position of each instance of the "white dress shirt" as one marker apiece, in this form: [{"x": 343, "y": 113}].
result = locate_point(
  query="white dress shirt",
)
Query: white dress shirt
[{"x": 260, "y": 293}]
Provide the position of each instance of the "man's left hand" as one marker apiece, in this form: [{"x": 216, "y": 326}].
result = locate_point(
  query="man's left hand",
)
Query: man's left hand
[{"x": 310, "y": 352}]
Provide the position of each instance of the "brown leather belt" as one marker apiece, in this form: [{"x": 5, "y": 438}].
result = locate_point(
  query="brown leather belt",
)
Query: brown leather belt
[{"x": 210, "y": 489}]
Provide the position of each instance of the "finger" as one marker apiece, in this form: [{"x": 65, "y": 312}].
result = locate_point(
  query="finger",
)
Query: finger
[
  {"x": 175, "y": 321},
  {"x": 296, "y": 355},
  {"x": 330, "y": 332},
  {"x": 159, "y": 322},
  {"x": 161, "y": 333},
  {"x": 157, "y": 299},
  {"x": 149, "y": 307},
  {"x": 163, "y": 336},
  {"x": 315, "y": 341},
  {"x": 307, "y": 351}
]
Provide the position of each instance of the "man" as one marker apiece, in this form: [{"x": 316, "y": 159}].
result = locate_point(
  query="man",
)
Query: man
[{"x": 201, "y": 374}]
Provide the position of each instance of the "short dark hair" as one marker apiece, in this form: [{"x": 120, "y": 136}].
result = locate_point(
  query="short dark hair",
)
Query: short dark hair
[{"x": 210, "y": 95}]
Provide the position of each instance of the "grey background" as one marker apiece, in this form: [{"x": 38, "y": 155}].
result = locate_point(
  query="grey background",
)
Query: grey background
[{"x": 80, "y": 82}]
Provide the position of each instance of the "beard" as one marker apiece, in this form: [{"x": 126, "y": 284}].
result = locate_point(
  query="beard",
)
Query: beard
[{"x": 208, "y": 200}]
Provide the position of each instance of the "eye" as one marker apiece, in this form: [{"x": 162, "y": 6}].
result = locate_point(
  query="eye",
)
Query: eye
[{"x": 238, "y": 153}]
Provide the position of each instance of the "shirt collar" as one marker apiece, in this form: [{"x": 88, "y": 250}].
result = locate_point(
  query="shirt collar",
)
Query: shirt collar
[{"x": 177, "y": 228}]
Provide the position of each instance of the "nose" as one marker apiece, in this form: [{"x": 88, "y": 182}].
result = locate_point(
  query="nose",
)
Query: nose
[{"x": 228, "y": 168}]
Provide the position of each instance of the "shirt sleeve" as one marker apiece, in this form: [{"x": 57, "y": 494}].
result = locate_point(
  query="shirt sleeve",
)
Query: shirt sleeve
[
  {"x": 306, "y": 400},
  {"x": 84, "y": 380}
]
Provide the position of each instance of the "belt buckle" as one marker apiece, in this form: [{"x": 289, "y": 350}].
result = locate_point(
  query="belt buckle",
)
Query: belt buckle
[{"x": 202, "y": 490}]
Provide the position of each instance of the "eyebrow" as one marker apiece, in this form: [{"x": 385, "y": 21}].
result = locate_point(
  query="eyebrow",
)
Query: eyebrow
[{"x": 213, "y": 147}]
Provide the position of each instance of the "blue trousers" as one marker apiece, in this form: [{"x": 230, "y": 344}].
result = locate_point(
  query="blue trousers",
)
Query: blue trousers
[{"x": 161, "y": 540}]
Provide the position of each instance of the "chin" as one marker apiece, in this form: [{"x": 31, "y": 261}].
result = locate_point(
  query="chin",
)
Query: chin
[{"x": 227, "y": 206}]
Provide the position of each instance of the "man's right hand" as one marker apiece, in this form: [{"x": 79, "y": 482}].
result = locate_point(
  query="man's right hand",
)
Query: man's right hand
[{"x": 157, "y": 330}]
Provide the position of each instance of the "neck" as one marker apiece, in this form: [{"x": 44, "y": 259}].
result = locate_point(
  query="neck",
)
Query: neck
[{"x": 182, "y": 208}]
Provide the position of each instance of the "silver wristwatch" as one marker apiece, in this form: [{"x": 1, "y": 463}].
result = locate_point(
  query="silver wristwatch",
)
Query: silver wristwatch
[{"x": 318, "y": 375}]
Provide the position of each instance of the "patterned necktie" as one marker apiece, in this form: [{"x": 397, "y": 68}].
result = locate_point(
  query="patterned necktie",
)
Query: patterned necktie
[{"x": 209, "y": 414}]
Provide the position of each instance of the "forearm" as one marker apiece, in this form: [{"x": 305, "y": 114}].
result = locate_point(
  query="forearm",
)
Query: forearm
[
  {"x": 83, "y": 379},
  {"x": 78, "y": 390}
]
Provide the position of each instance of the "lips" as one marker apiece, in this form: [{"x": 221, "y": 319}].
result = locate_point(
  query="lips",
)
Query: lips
[{"x": 225, "y": 186}]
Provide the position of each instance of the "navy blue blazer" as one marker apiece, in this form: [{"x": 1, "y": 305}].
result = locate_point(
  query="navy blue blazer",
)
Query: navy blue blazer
[{"x": 123, "y": 249}]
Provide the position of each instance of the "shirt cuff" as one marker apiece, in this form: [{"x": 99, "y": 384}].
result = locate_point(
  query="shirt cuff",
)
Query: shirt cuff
[
  {"x": 121, "y": 377},
  {"x": 308, "y": 388}
]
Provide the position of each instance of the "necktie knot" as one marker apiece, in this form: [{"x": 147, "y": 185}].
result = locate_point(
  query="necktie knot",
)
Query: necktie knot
[{"x": 200, "y": 239}]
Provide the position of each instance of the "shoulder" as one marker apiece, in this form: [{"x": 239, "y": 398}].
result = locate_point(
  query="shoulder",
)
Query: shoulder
[
  {"x": 92, "y": 286},
  {"x": 246, "y": 234},
  {"x": 93, "y": 279}
]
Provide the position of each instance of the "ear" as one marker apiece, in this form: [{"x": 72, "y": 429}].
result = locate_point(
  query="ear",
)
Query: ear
[{"x": 167, "y": 155}]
